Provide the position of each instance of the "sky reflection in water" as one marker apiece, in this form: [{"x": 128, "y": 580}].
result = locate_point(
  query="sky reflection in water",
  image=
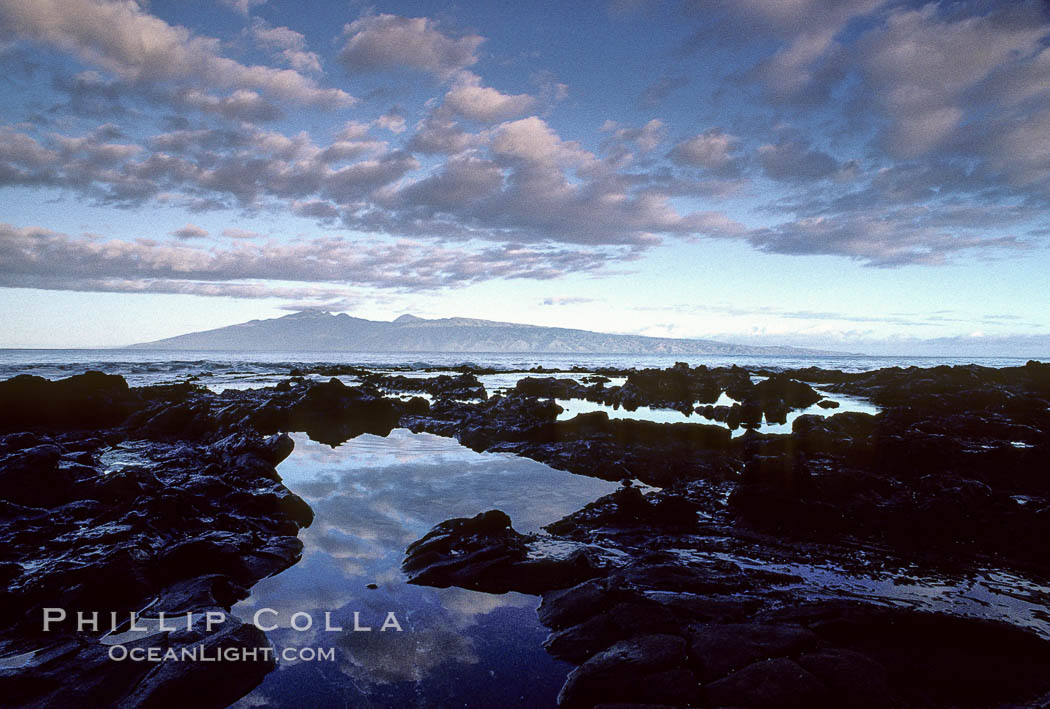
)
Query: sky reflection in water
[
  {"x": 372, "y": 497},
  {"x": 574, "y": 407}
]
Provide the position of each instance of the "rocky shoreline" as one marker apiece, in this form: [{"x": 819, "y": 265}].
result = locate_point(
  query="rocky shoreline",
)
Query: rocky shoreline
[{"x": 725, "y": 571}]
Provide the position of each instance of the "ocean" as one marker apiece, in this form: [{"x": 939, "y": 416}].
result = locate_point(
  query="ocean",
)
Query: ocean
[{"x": 219, "y": 370}]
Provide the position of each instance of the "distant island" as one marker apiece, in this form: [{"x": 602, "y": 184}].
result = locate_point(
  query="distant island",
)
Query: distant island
[{"x": 320, "y": 331}]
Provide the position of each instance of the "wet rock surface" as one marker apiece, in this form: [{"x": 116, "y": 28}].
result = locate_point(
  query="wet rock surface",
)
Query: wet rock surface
[
  {"x": 797, "y": 570},
  {"x": 148, "y": 501},
  {"x": 463, "y": 386},
  {"x": 825, "y": 567}
]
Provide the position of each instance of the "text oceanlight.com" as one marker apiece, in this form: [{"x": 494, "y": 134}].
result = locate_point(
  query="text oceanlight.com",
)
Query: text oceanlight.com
[{"x": 201, "y": 653}]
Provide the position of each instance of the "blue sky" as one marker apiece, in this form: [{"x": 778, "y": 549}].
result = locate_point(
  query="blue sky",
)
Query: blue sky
[{"x": 863, "y": 175}]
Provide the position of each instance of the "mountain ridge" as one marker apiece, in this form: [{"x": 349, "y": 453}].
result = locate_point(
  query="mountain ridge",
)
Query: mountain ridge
[{"x": 321, "y": 331}]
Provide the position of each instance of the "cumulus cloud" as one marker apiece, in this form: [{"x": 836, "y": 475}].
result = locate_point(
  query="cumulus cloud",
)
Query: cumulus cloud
[
  {"x": 123, "y": 39},
  {"x": 316, "y": 209},
  {"x": 468, "y": 98},
  {"x": 533, "y": 141},
  {"x": 519, "y": 181},
  {"x": 392, "y": 121},
  {"x": 796, "y": 161},
  {"x": 387, "y": 42},
  {"x": 811, "y": 59},
  {"x": 286, "y": 45},
  {"x": 241, "y": 105},
  {"x": 621, "y": 141},
  {"x": 462, "y": 181},
  {"x": 924, "y": 63},
  {"x": 932, "y": 147},
  {"x": 713, "y": 150},
  {"x": 247, "y": 164},
  {"x": 439, "y": 134},
  {"x": 90, "y": 95},
  {"x": 190, "y": 231}
]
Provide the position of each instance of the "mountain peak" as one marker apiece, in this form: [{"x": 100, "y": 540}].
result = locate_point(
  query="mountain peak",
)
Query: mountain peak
[{"x": 406, "y": 318}]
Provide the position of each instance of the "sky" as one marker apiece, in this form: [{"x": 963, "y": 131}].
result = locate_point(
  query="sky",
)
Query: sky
[{"x": 862, "y": 175}]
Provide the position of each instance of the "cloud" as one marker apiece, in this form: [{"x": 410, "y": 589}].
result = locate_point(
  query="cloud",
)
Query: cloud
[
  {"x": 654, "y": 94},
  {"x": 190, "y": 231},
  {"x": 316, "y": 209},
  {"x": 796, "y": 161},
  {"x": 123, "y": 39},
  {"x": 242, "y": 6},
  {"x": 441, "y": 135},
  {"x": 923, "y": 66},
  {"x": 90, "y": 95},
  {"x": 241, "y": 105},
  {"x": 34, "y": 257},
  {"x": 247, "y": 164},
  {"x": 235, "y": 233},
  {"x": 713, "y": 150},
  {"x": 517, "y": 182},
  {"x": 890, "y": 240},
  {"x": 461, "y": 181},
  {"x": 390, "y": 42},
  {"x": 532, "y": 141},
  {"x": 812, "y": 59},
  {"x": 565, "y": 300},
  {"x": 286, "y": 45},
  {"x": 622, "y": 140},
  {"x": 392, "y": 121},
  {"x": 318, "y": 304},
  {"x": 23, "y": 160},
  {"x": 469, "y": 99},
  {"x": 478, "y": 168}
]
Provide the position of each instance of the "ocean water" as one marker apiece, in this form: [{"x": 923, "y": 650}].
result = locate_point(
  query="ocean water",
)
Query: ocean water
[{"x": 228, "y": 369}]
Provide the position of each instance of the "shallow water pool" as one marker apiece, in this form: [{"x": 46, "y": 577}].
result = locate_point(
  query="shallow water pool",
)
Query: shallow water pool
[{"x": 372, "y": 497}]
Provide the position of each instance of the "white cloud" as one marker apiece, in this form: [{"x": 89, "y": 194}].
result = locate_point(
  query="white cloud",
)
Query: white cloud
[
  {"x": 33, "y": 257},
  {"x": 393, "y": 122},
  {"x": 286, "y": 45},
  {"x": 468, "y": 98},
  {"x": 714, "y": 150},
  {"x": 242, "y": 6},
  {"x": 923, "y": 64},
  {"x": 123, "y": 39},
  {"x": 390, "y": 42},
  {"x": 532, "y": 140}
]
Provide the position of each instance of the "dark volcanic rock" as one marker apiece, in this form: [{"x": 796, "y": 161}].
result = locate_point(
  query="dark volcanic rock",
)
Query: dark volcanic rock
[
  {"x": 645, "y": 669},
  {"x": 198, "y": 519},
  {"x": 716, "y": 650},
  {"x": 92, "y": 399},
  {"x": 463, "y": 386},
  {"x": 777, "y": 683},
  {"x": 709, "y": 590},
  {"x": 484, "y": 553},
  {"x": 949, "y": 476}
]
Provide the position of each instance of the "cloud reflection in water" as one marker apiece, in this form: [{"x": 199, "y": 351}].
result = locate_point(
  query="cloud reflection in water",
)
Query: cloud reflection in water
[{"x": 372, "y": 497}]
